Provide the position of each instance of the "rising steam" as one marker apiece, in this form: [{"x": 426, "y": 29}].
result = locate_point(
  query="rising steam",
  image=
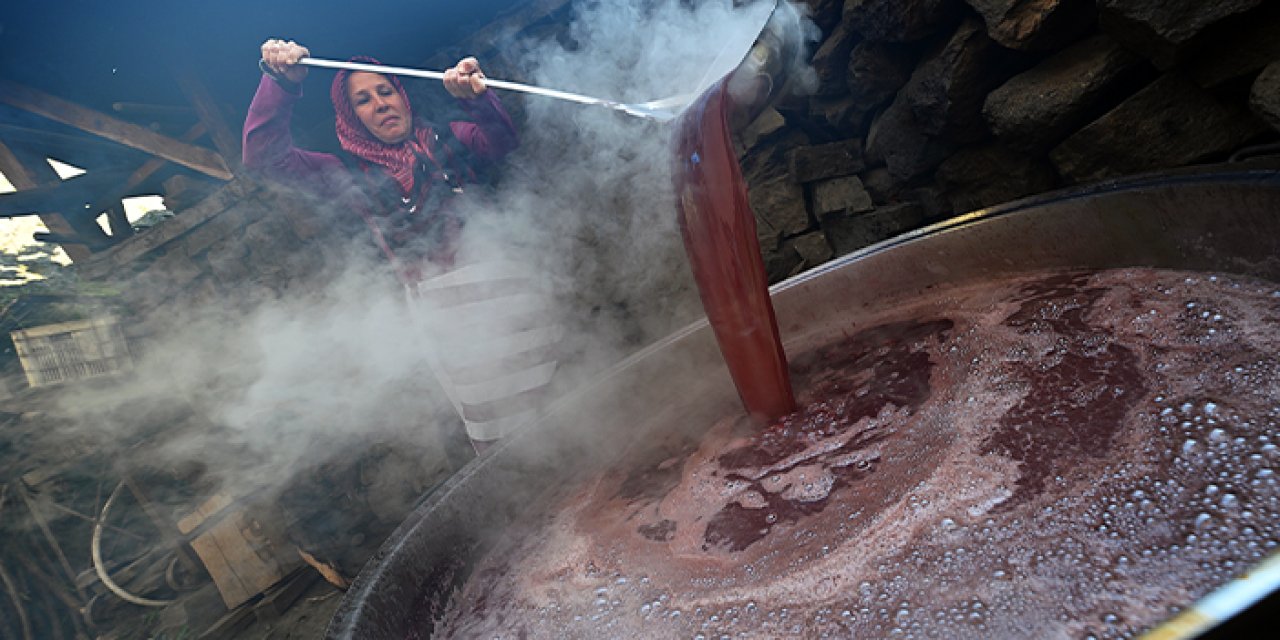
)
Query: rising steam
[{"x": 586, "y": 204}]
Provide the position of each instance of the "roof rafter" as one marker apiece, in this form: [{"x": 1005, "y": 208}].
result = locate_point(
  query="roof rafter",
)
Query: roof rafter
[
  {"x": 54, "y": 108},
  {"x": 22, "y": 178}
]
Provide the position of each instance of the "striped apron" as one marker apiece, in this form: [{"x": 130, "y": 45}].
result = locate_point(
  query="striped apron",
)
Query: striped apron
[{"x": 493, "y": 342}]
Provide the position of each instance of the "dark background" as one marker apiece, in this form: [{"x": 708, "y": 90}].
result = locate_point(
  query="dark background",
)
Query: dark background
[{"x": 99, "y": 52}]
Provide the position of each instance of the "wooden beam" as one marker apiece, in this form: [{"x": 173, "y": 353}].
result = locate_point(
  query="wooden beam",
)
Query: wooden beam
[
  {"x": 123, "y": 254},
  {"x": 68, "y": 195},
  {"x": 502, "y": 28},
  {"x": 131, "y": 135},
  {"x": 61, "y": 141},
  {"x": 21, "y": 178},
  {"x": 151, "y": 166},
  {"x": 225, "y": 140},
  {"x": 119, "y": 222},
  {"x": 143, "y": 172},
  {"x": 154, "y": 110},
  {"x": 83, "y": 227},
  {"x": 94, "y": 244}
]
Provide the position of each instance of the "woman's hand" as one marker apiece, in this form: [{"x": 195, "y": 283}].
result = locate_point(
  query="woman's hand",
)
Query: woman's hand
[
  {"x": 282, "y": 57},
  {"x": 465, "y": 80}
]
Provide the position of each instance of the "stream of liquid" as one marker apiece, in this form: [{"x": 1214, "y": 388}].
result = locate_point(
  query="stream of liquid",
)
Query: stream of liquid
[{"x": 719, "y": 232}]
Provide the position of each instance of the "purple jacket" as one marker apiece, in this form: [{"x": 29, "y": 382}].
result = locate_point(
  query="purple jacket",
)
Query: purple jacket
[{"x": 268, "y": 142}]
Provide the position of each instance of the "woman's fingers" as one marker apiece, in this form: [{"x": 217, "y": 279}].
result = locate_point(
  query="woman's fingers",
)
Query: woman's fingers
[
  {"x": 465, "y": 79},
  {"x": 452, "y": 84},
  {"x": 282, "y": 57}
]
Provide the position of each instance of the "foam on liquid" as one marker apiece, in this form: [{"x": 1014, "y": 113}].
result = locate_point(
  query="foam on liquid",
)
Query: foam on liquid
[{"x": 1057, "y": 454}]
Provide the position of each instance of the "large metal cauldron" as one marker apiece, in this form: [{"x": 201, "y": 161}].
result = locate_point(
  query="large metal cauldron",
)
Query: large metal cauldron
[{"x": 1224, "y": 219}]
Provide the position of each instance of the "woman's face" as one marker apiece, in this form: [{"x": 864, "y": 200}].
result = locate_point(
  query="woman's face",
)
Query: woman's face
[{"x": 379, "y": 106}]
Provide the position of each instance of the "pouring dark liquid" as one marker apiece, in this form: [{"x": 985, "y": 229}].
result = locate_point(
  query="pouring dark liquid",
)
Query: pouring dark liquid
[{"x": 720, "y": 238}]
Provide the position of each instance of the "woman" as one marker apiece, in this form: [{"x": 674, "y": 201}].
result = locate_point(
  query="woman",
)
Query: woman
[{"x": 494, "y": 347}]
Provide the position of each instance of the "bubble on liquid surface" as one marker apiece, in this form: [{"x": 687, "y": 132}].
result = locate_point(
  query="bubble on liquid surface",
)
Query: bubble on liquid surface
[{"x": 964, "y": 457}]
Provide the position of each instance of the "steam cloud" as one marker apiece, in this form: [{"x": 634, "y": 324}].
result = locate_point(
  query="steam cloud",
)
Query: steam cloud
[{"x": 586, "y": 204}]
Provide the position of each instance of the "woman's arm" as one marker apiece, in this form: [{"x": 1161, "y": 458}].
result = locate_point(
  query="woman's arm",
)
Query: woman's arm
[
  {"x": 488, "y": 132},
  {"x": 268, "y": 141}
]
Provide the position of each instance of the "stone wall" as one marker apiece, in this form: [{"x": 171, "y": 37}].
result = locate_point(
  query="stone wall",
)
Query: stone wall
[{"x": 928, "y": 108}]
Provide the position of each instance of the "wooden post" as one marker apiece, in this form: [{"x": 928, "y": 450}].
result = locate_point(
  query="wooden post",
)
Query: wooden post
[
  {"x": 118, "y": 220},
  {"x": 226, "y": 141},
  {"x": 17, "y": 173},
  {"x": 128, "y": 134}
]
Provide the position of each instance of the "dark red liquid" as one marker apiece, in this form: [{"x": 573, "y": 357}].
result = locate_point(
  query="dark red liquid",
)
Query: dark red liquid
[
  {"x": 1052, "y": 455},
  {"x": 720, "y": 238}
]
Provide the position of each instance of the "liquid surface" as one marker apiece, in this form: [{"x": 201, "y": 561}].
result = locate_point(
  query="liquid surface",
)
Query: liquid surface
[{"x": 1060, "y": 455}]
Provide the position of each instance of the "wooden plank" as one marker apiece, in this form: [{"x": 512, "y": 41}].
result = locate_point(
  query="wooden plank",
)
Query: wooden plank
[
  {"x": 300, "y": 215},
  {"x": 77, "y": 239},
  {"x": 167, "y": 276},
  {"x": 84, "y": 227},
  {"x": 66, "y": 195},
  {"x": 218, "y": 502},
  {"x": 126, "y": 252},
  {"x": 197, "y": 215},
  {"x": 61, "y": 142},
  {"x": 225, "y": 140},
  {"x": 128, "y": 134},
  {"x": 208, "y": 546},
  {"x": 277, "y": 600},
  {"x": 222, "y": 226},
  {"x": 149, "y": 167},
  {"x": 22, "y": 178},
  {"x": 242, "y": 561},
  {"x": 217, "y": 549},
  {"x": 230, "y": 625},
  {"x": 154, "y": 110},
  {"x": 140, "y": 175}
]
